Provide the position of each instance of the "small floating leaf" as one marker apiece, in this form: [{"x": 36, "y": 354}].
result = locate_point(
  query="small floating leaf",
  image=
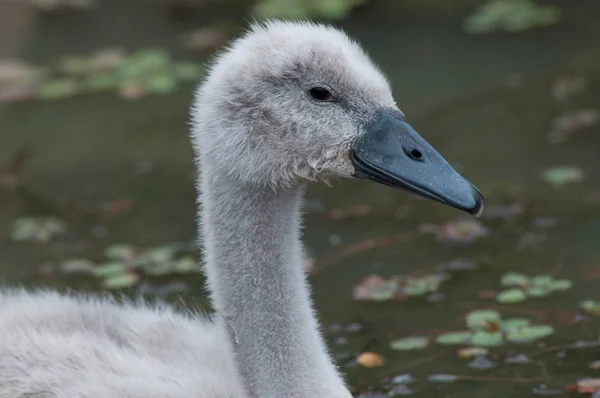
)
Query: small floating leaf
[
  {"x": 461, "y": 337},
  {"x": 121, "y": 281},
  {"x": 186, "y": 265},
  {"x": 59, "y": 88},
  {"x": 443, "y": 378},
  {"x": 561, "y": 175},
  {"x": 74, "y": 65},
  {"x": 188, "y": 71},
  {"x": 409, "y": 343},
  {"x": 161, "y": 84},
  {"x": 530, "y": 333},
  {"x": 77, "y": 265},
  {"x": 486, "y": 339},
  {"x": 109, "y": 269},
  {"x": 480, "y": 318},
  {"x": 560, "y": 284},
  {"x": 511, "y": 296},
  {"x": 541, "y": 280},
  {"x": 537, "y": 291},
  {"x": 515, "y": 323},
  {"x": 120, "y": 251},
  {"x": 514, "y": 279}
]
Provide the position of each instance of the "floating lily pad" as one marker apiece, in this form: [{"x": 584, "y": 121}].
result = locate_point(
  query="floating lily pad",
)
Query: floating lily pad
[
  {"x": 561, "y": 175},
  {"x": 487, "y": 339},
  {"x": 120, "y": 252},
  {"x": 510, "y": 16},
  {"x": 443, "y": 378},
  {"x": 109, "y": 269},
  {"x": 74, "y": 65},
  {"x": 377, "y": 288},
  {"x": 77, "y": 265},
  {"x": 511, "y": 296},
  {"x": 37, "y": 229},
  {"x": 526, "y": 286},
  {"x": 409, "y": 343},
  {"x": 590, "y": 306},
  {"x": 186, "y": 265},
  {"x": 515, "y": 323},
  {"x": 121, "y": 281},
  {"x": 480, "y": 318},
  {"x": 514, "y": 279},
  {"x": 530, "y": 333},
  {"x": 59, "y": 88},
  {"x": 462, "y": 337},
  {"x": 188, "y": 71},
  {"x": 101, "y": 82},
  {"x": 161, "y": 84}
]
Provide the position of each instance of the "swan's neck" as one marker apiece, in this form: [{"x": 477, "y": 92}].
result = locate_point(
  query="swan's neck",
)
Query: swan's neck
[{"x": 254, "y": 269}]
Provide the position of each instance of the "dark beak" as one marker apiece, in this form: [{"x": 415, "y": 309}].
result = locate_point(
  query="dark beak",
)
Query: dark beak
[{"x": 391, "y": 152}]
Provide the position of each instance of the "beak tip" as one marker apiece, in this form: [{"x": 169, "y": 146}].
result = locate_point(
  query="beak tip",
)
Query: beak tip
[{"x": 477, "y": 210}]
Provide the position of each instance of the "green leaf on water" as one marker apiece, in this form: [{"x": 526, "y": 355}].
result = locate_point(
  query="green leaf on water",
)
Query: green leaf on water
[
  {"x": 109, "y": 269},
  {"x": 159, "y": 269},
  {"x": 121, "y": 281},
  {"x": 537, "y": 291},
  {"x": 59, "y": 88},
  {"x": 77, "y": 265},
  {"x": 23, "y": 229},
  {"x": 151, "y": 59},
  {"x": 159, "y": 254},
  {"x": 561, "y": 175},
  {"x": 542, "y": 280},
  {"x": 511, "y": 296},
  {"x": 120, "y": 251},
  {"x": 161, "y": 84},
  {"x": 409, "y": 343},
  {"x": 74, "y": 65},
  {"x": 514, "y": 279},
  {"x": 515, "y": 323},
  {"x": 530, "y": 333},
  {"x": 479, "y": 318},
  {"x": 560, "y": 285},
  {"x": 188, "y": 71},
  {"x": 486, "y": 339},
  {"x": 101, "y": 82},
  {"x": 186, "y": 265},
  {"x": 442, "y": 378},
  {"x": 462, "y": 337}
]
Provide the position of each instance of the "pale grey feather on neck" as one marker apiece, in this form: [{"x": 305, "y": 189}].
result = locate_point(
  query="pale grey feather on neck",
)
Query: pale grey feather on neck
[{"x": 259, "y": 137}]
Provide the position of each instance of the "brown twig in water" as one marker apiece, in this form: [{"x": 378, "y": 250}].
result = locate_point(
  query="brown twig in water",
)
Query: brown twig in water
[{"x": 362, "y": 246}]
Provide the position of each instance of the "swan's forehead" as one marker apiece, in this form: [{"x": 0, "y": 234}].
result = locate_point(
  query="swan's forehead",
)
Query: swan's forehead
[{"x": 315, "y": 54}]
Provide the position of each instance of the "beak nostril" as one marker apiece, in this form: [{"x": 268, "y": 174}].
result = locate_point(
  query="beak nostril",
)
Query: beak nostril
[{"x": 415, "y": 154}]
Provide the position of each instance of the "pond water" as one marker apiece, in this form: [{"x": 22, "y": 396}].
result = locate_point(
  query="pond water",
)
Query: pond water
[{"x": 484, "y": 101}]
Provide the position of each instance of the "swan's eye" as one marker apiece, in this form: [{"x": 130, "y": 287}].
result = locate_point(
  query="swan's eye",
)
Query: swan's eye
[{"x": 320, "y": 94}]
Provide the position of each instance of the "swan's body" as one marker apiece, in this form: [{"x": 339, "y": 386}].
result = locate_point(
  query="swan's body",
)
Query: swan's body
[
  {"x": 286, "y": 104},
  {"x": 52, "y": 345}
]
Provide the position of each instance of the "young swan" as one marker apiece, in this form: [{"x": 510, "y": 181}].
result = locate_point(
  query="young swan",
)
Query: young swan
[{"x": 285, "y": 104}]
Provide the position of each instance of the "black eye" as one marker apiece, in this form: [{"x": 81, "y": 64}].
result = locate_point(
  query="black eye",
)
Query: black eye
[{"x": 320, "y": 94}]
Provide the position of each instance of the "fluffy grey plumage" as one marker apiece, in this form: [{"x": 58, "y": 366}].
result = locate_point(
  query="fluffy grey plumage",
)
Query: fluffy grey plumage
[{"x": 258, "y": 137}]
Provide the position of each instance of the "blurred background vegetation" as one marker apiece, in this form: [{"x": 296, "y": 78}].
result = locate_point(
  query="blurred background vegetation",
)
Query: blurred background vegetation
[{"x": 97, "y": 180}]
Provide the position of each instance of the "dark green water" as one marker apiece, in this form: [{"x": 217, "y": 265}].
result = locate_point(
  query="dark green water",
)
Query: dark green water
[{"x": 453, "y": 88}]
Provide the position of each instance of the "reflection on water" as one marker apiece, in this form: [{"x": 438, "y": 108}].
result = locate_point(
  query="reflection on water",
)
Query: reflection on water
[{"x": 485, "y": 102}]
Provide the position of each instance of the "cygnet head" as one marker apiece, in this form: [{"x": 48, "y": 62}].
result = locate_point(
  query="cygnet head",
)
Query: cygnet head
[{"x": 293, "y": 102}]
